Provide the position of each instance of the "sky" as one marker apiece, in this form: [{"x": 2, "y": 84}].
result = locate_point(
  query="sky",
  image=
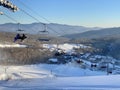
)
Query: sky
[{"x": 89, "y": 13}]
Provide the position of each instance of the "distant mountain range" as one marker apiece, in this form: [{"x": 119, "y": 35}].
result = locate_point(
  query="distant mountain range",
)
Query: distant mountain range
[
  {"x": 52, "y": 28},
  {"x": 106, "y": 32}
]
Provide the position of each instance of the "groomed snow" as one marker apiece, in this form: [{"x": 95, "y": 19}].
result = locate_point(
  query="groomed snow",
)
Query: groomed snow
[
  {"x": 44, "y": 70},
  {"x": 44, "y": 76}
]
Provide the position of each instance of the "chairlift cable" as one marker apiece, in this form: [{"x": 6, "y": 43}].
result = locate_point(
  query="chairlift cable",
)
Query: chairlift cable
[
  {"x": 30, "y": 15},
  {"x": 34, "y": 11},
  {"x": 1, "y": 13},
  {"x": 36, "y": 18},
  {"x": 11, "y": 18}
]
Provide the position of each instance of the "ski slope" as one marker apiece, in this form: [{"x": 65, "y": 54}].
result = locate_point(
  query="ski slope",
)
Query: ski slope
[
  {"x": 64, "y": 83},
  {"x": 44, "y": 76}
]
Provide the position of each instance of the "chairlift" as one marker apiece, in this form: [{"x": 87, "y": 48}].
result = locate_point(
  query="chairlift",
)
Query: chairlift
[
  {"x": 44, "y": 33},
  {"x": 45, "y": 30},
  {"x": 19, "y": 35},
  {"x": 19, "y": 30}
]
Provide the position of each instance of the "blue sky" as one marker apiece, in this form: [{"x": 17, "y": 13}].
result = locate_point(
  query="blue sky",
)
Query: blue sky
[{"x": 90, "y": 13}]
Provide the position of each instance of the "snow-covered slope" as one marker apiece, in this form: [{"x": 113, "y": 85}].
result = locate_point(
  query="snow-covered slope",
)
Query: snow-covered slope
[
  {"x": 44, "y": 70},
  {"x": 37, "y": 77},
  {"x": 66, "y": 47}
]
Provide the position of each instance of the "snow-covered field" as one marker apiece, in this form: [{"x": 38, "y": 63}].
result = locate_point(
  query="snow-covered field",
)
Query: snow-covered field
[{"x": 44, "y": 76}]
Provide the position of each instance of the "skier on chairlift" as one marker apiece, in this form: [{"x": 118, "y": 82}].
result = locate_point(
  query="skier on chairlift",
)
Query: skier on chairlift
[
  {"x": 23, "y": 37},
  {"x": 18, "y": 36}
]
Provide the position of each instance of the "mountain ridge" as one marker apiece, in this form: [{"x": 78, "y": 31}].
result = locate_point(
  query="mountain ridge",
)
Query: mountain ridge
[
  {"x": 106, "y": 32},
  {"x": 53, "y": 28}
]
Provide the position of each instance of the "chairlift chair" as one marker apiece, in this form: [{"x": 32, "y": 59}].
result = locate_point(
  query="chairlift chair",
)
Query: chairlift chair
[
  {"x": 20, "y": 35},
  {"x": 19, "y": 30},
  {"x": 44, "y": 33}
]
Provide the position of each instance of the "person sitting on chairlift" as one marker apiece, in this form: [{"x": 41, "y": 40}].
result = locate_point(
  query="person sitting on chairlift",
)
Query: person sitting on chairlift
[
  {"x": 18, "y": 36},
  {"x": 23, "y": 37}
]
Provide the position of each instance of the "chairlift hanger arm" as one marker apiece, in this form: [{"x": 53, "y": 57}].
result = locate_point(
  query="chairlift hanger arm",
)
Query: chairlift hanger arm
[{"x": 19, "y": 29}]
